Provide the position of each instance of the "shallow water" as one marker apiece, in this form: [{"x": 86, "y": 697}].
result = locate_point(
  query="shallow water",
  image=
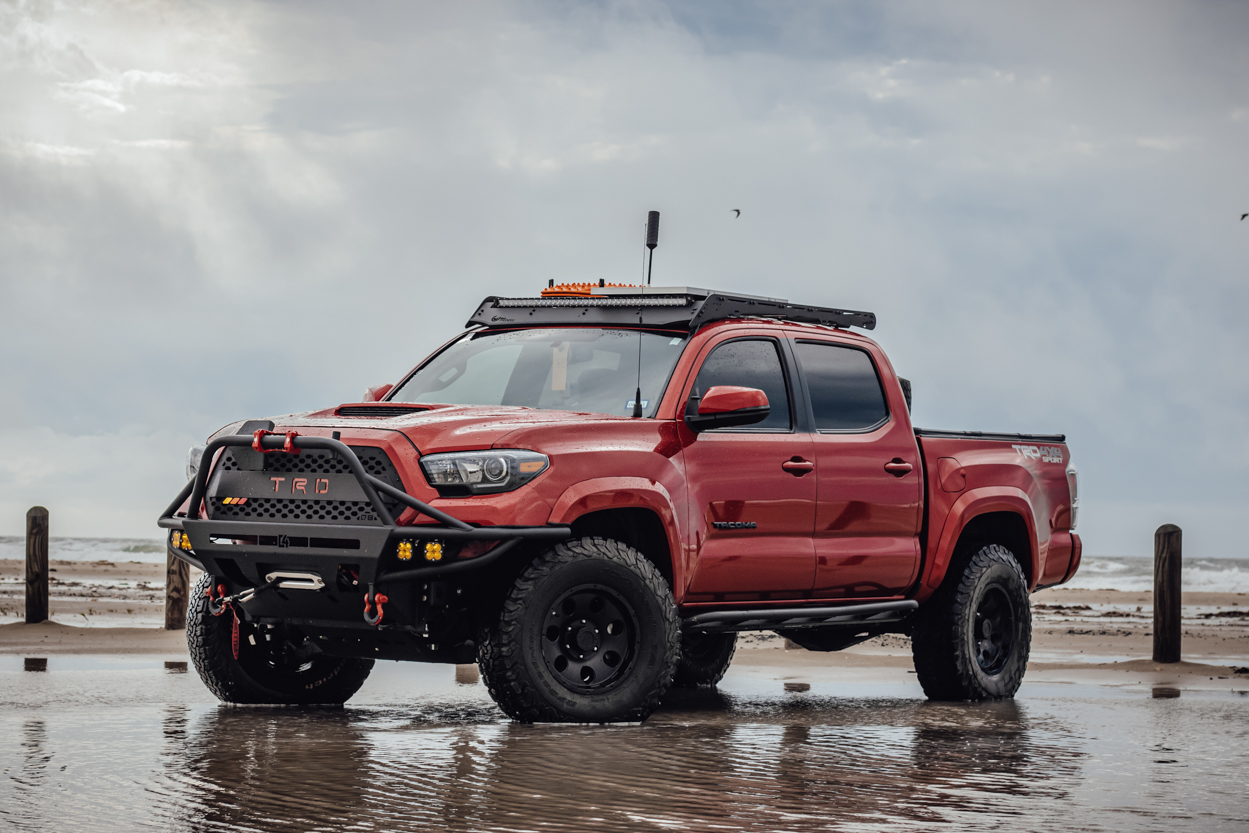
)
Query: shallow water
[{"x": 128, "y": 744}]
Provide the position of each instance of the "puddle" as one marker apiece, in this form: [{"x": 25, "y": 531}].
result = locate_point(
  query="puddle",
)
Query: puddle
[{"x": 97, "y": 743}]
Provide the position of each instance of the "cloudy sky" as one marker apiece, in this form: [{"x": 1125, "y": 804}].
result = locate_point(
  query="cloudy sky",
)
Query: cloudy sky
[{"x": 224, "y": 210}]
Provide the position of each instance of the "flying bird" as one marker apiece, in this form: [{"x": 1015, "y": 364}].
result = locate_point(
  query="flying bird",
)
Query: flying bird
[
  {"x": 737, "y": 212},
  {"x": 1243, "y": 216}
]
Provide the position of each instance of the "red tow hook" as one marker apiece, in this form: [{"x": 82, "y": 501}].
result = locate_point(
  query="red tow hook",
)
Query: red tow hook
[
  {"x": 288, "y": 446},
  {"x": 219, "y": 604},
  {"x": 371, "y": 598}
]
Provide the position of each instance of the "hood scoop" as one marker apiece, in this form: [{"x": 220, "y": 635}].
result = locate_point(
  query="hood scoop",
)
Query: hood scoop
[{"x": 378, "y": 410}]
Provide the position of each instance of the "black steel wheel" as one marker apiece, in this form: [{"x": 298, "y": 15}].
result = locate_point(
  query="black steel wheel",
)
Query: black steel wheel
[
  {"x": 972, "y": 638},
  {"x": 705, "y": 658},
  {"x": 264, "y": 671},
  {"x": 993, "y": 630},
  {"x": 589, "y": 638},
  {"x": 588, "y": 633}
]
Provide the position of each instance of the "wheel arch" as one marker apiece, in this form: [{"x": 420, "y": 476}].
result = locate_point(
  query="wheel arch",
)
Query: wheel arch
[
  {"x": 633, "y": 510},
  {"x": 988, "y": 516}
]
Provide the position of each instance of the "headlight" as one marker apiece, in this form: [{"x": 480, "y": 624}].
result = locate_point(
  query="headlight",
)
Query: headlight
[
  {"x": 461, "y": 473},
  {"x": 193, "y": 456}
]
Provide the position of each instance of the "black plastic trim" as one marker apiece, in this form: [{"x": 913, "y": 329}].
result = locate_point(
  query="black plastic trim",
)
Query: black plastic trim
[{"x": 988, "y": 435}]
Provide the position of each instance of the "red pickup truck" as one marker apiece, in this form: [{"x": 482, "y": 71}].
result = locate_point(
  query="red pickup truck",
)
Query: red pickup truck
[{"x": 591, "y": 492}]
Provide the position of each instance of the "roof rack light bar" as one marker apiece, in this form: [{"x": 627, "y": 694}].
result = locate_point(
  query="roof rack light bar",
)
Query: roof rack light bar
[
  {"x": 658, "y": 309},
  {"x": 592, "y": 301}
]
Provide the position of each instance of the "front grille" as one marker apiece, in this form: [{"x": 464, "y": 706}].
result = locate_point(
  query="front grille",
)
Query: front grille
[
  {"x": 379, "y": 410},
  {"x": 295, "y": 510},
  {"x": 306, "y": 510}
]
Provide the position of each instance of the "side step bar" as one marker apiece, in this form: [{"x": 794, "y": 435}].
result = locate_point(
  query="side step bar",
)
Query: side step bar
[{"x": 768, "y": 619}]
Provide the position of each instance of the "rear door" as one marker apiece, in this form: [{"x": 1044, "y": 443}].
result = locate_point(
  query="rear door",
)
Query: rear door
[
  {"x": 869, "y": 478},
  {"x": 752, "y": 488}
]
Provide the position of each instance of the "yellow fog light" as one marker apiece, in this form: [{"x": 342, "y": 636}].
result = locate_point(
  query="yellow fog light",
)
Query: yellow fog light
[
  {"x": 433, "y": 551},
  {"x": 405, "y": 551},
  {"x": 181, "y": 541}
]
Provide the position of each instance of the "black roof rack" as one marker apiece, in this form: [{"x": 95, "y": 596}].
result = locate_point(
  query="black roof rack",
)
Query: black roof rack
[{"x": 661, "y": 307}]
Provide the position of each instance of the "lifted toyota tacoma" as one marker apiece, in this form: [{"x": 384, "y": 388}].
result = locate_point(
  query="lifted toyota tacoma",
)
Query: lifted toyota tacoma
[{"x": 591, "y": 492}]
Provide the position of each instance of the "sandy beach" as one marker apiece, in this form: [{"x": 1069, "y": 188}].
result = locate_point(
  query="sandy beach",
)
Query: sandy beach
[
  {"x": 107, "y": 607},
  {"x": 793, "y": 740}
]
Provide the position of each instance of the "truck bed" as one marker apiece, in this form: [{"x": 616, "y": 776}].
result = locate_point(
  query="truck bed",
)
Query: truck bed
[{"x": 995, "y": 479}]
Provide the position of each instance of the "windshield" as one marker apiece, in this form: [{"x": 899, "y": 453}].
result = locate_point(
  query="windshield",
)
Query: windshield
[{"x": 557, "y": 369}]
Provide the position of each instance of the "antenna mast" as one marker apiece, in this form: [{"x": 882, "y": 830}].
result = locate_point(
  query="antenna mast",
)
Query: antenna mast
[{"x": 652, "y": 240}]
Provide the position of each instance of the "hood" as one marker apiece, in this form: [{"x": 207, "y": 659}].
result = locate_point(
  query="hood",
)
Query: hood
[{"x": 436, "y": 428}]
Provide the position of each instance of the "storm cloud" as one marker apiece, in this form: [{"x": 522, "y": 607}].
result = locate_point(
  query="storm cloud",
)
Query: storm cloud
[{"x": 225, "y": 210}]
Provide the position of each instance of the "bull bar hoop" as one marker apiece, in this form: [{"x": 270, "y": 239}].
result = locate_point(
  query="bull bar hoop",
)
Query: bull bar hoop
[{"x": 372, "y": 540}]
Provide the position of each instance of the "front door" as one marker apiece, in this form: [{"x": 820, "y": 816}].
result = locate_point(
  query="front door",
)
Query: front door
[
  {"x": 752, "y": 487},
  {"x": 869, "y": 478}
]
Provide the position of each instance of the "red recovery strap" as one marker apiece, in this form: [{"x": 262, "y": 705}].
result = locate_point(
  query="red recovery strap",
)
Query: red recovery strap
[{"x": 226, "y": 605}]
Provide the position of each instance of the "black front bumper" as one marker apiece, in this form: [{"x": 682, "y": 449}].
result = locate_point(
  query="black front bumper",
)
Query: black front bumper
[{"x": 245, "y": 552}]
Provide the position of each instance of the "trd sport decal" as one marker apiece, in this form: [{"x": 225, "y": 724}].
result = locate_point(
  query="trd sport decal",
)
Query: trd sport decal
[
  {"x": 734, "y": 524},
  {"x": 1044, "y": 453}
]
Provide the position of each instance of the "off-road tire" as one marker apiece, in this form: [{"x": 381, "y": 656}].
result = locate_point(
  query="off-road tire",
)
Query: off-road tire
[
  {"x": 705, "y": 658},
  {"x": 514, "y": 654},
  {"x": 945, "y": 641},
  {"x": 252, "y": 678}
]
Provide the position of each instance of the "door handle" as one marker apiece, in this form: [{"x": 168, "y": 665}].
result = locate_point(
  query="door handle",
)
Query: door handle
[
  {"x": 798, "y": 466},
  {"x": 898, "y": 467}
]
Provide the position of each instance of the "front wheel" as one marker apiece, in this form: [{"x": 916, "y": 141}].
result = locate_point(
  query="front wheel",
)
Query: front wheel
[
  {"x": 973, "y": 637},
  {"x": 588, "y": 633},
  {"x": 705, "y": 658},
  {"x": 262, "y": 672}
]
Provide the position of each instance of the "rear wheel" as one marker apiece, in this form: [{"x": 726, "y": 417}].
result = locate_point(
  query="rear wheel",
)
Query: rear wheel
[
  {"x": 973, "y": 637},
  {"x": 705, "y": 658},
  {"x": 588, "y": 633},
  {"x": 263, "y": 672}
]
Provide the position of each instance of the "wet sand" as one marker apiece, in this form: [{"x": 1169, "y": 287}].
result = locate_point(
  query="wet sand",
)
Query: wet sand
[
  {"x": 92, "y": 593},
  {"x": 109, "y": 728},
  {"x": 99, "y": 743}
]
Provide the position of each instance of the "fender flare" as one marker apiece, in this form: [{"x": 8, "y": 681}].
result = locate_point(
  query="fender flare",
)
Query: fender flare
[
  {"x": 975, "y": 503},
  {"x": 600, "y": 493}
]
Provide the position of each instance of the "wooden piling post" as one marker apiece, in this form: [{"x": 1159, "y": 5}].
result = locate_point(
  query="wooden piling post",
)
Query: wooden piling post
[
  {"x": 36, "y": 565},
  {"x": 177, "y": 582},
  {"x": 1167, "y": 563}
]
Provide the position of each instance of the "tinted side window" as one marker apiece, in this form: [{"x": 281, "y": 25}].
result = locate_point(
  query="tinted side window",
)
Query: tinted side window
[
  {"x": 750, "y": 363},
  {"x": 845, "y": 391}
]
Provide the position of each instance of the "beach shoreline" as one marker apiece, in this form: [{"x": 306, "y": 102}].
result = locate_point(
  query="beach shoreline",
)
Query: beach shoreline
[{"x": 117, "y": 608}]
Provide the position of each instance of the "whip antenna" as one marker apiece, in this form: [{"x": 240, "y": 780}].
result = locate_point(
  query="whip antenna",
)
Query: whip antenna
[
  {"x": 637, "y": 397},
  {"x": 652, "y": 240}
]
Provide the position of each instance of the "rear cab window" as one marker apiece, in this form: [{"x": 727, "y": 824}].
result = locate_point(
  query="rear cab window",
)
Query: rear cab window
[{"x": 843, "y": 386}]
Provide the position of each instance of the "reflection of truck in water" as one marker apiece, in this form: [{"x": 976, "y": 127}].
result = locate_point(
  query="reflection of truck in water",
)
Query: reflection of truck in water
[{"x": 591, "y": 492}]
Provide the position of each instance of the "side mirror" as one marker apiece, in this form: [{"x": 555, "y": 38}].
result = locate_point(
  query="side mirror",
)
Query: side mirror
[
  {"x": 727, "y": 405},
  {"x": 375, "y": 393}
]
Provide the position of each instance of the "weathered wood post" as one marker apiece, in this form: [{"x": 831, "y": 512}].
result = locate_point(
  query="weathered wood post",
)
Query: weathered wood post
[
  {"x": 177, "y": 580},
  {"x": 1167, "y": 593},
  {"x": 36, "y": 565}
]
